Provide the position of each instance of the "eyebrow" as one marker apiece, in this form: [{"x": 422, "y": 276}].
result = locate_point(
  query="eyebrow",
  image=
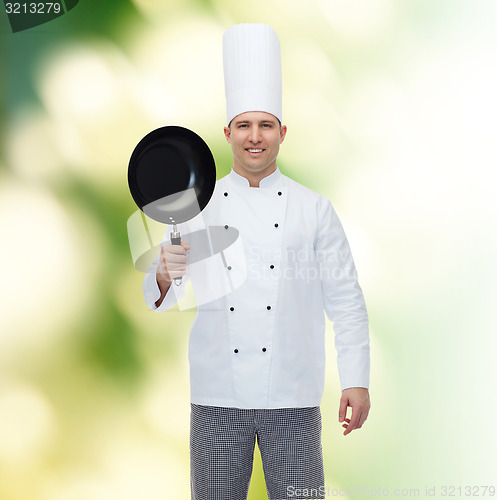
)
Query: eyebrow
[{"x": 240, "y": 122}]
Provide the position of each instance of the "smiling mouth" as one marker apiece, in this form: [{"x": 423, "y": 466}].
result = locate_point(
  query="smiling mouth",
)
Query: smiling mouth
[{"x": 255, "y": 150}]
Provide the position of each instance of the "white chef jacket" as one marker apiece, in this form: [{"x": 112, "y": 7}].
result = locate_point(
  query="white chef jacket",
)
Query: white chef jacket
[{"x": 262, "y": 345}]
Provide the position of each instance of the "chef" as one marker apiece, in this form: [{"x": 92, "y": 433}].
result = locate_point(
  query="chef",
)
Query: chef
[{"x": 257, "y": 351}]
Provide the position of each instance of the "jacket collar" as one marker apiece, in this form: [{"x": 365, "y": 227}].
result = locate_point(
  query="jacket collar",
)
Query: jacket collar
[{"x": 269, "y": 181}]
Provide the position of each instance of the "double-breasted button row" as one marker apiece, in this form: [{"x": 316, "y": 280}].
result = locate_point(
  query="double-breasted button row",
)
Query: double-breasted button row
[
  {"x": 232, "y": 308},
  {"x": 229, "y": 268},
  {"x": 275, "y": 225},
  {"x": 236, "y": 350},
  {"x": 279, "y": 193}
]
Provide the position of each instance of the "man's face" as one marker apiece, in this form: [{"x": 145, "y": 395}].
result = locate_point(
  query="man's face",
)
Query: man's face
[{"x": 255, "y": 139}]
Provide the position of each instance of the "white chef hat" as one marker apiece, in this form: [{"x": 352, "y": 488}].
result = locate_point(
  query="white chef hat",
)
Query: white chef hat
[{"x": 252, "y": 70}]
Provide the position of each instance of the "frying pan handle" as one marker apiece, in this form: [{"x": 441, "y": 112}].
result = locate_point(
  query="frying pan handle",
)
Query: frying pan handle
[{"x": 176, "y": 240}]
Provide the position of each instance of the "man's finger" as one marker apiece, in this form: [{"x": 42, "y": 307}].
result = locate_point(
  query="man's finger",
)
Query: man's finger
[
  {"x": 342, "y": 410},
  {"x": 356, "y": 415},
  {"x": 175, "y": 259},
  {"x": 364, "y": 416},
  {"x": 176, "y": 249},
  {"x": 177, "y": 273}
]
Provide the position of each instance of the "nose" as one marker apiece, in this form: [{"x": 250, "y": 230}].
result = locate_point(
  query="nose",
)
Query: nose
[{"x": 255, "y": 135}]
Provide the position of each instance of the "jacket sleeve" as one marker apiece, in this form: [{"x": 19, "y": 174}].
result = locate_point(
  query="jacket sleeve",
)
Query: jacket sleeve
[{"x": 343, "y": 299}]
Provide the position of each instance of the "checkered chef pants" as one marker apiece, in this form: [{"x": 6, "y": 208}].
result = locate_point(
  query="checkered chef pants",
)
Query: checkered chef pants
[{"x": 222, "y": 448}]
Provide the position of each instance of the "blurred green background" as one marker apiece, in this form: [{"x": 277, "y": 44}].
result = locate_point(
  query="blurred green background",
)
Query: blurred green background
[{"x": 390, "y": 107}]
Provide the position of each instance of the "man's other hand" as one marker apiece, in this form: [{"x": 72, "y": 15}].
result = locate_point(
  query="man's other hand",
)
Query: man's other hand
[{"x": 358, "y": 399}]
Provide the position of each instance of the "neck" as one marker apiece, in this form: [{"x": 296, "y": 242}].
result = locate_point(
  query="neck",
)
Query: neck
[{"x": 254, "y": 178}]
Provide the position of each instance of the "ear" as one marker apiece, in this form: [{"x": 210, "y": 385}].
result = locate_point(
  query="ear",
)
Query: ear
[
  {"x": 227, "y": 134},
  {"x": 282, "y": 133}
]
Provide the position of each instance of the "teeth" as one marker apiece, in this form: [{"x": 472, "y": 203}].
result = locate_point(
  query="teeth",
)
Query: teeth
[{"x": 255, "y": 150}]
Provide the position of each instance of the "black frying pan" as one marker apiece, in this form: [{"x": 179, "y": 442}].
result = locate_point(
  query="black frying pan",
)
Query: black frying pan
[{"x": 171, "y": 176}]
